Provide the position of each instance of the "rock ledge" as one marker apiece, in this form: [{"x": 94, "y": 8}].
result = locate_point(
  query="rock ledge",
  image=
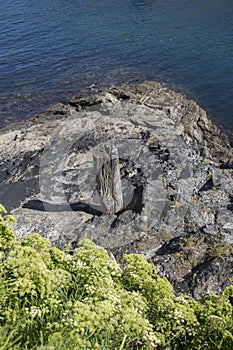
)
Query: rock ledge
[{"x": 176, "y": 173}]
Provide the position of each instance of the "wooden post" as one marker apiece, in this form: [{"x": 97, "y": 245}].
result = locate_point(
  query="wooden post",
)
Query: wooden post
[{"x": 108, "y": 178}]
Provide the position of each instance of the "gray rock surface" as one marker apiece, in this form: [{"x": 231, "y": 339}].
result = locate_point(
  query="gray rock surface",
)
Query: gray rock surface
[{"x": 176, "y": 172}]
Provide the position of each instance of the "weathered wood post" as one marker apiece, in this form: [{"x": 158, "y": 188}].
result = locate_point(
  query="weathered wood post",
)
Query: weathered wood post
[{"x": 108, "y": 178}]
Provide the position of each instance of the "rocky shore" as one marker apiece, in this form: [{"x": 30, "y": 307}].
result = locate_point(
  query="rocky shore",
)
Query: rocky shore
[{"x": 176, "y": 174}]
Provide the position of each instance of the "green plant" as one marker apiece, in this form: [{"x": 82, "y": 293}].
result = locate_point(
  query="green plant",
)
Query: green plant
[
  {"x": 53, "y": 300},
  {"x": 220, "y": 249}
]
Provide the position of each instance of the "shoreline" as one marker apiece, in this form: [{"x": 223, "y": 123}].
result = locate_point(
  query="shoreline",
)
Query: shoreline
[
  {"x": 74, "y": 94},
  {"x": 176, "y": 179}
]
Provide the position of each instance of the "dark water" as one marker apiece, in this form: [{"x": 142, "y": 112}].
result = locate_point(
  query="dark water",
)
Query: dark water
[{"x": 50, "y": 49}]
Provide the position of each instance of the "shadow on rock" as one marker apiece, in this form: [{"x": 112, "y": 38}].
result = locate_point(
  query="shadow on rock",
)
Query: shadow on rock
[{"x": 49, "y": 207}]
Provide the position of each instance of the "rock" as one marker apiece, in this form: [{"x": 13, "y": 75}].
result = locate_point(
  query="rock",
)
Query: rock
[
  {"x": 108, "y": 178},
  {"x": 172, "y": 194}
]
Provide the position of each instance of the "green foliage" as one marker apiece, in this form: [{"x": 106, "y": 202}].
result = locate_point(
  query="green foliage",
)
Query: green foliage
[
  {"x": 220, "y": 249},
  {"x": 54, "y": 300}
]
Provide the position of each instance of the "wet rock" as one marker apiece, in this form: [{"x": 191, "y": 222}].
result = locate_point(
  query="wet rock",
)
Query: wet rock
[{"x": 174, "y": 172}]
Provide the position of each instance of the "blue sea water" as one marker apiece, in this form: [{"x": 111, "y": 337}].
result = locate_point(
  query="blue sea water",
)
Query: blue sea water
[{"x": 51, "y": 49}]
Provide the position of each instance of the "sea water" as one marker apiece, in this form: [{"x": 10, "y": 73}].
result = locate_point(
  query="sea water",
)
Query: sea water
[{"x": 51, "y": 49}]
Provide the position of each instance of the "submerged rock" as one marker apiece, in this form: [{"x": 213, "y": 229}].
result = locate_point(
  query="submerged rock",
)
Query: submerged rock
[{"x": 174, "y": 171}]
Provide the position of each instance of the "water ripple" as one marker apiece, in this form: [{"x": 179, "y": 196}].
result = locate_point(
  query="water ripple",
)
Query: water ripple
[{"x": 51, "y": 49}]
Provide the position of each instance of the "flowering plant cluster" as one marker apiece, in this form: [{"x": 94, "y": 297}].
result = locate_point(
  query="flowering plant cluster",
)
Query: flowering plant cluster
[{"x": 81, "y": 299}]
